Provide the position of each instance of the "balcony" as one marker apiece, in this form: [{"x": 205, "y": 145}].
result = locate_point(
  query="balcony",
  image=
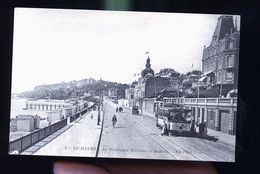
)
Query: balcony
[{"x": 228, "y": 68}]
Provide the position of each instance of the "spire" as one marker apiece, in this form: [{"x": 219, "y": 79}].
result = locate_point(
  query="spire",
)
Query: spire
[
  {"x": 148, "y": 64},
  {"x": 148, "y": 69}
]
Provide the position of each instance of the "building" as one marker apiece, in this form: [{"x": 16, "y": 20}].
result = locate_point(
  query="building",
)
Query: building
[
  {"x": 189, "y": 80},
  {"x": 130, "y": 92},
  {"x": 154, "y": 85},
  {"x": 220, "y": 58},
  {"x": 143, "y": 92},
  {"x": 112, "y": 92}
]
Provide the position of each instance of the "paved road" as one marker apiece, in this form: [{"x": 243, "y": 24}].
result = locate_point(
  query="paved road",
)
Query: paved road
[
  {"x": 80, "y": 140},
  {"x": 137, "y": 137}
]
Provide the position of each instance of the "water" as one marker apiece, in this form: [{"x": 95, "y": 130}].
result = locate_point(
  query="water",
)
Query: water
[{"x": 18, "y": 105}]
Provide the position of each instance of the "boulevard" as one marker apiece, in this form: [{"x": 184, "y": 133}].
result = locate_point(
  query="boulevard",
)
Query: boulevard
[{"x": 136, "y": 136}]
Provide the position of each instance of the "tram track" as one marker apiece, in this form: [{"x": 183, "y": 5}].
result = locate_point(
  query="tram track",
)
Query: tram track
[
  {"x": 217, "y": 156},
  {"x": 176, "y": 150},
  {"x": 138, "y": 128},
  {"x": 140, "y": 133}
]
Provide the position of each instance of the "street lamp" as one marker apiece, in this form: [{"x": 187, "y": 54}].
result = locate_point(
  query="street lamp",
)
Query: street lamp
[
  {"x": 100, "y": 102},
  {"x": 98, "y": 118},
  {"x": 220, "y": 92},
  {"x": 198, "y": 87}
]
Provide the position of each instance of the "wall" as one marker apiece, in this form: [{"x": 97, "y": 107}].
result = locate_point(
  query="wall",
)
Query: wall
[
  {"x": 24, "y": 123},
  {"x": 148, "y": 105},
  {"x": 154, "y": 85},
  {"x": 54, "y": 116}
]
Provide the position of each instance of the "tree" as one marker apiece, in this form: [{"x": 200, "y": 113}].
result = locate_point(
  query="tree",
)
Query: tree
[
  {"x": 196, "y": 72},
  {"x": 168, "y": 72}
]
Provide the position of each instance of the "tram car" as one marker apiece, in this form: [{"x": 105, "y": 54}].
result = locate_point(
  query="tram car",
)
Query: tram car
[{"x": 177, "y": 119}]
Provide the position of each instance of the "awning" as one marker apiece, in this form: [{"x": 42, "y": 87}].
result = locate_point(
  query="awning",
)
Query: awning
[
  {"x": 202, "y": 78},
  {"x": 206, "y": 73}
]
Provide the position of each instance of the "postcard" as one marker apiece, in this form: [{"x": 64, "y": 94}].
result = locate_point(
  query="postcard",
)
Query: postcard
[{"x": 124, "y": 84}]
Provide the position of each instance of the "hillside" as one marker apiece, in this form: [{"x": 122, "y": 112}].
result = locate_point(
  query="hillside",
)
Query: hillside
[{"x": 74, "y": 89}]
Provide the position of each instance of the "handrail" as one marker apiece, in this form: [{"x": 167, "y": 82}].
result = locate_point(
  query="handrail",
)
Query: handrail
[
  {"x": 232, "y": 101},
  {"x": 27, "y": 141},
  {"x": 23, "y": 143}
]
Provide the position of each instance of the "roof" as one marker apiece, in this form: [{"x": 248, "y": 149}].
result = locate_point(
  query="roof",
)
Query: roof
[
  {"x": 193, "y": 75},
  {"x": 208, "y": 72},
  {"x": 224, "y": 26},
  {"x": 202, "y": 78},
  {"x": 168, "y": 89}
]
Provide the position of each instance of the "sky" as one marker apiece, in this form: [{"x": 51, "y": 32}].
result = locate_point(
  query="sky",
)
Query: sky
[{"x": 56, "y": 45}]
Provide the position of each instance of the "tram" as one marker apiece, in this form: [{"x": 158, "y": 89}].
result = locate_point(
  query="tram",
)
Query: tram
[{"x": 178, "y": 119}]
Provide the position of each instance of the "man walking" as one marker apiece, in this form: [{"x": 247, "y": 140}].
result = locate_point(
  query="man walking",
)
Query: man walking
[{"x": 114, "y": 120}]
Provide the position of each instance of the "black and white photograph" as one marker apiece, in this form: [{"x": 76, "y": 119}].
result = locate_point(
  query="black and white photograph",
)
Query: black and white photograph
[{"x": 124, "y": 84}]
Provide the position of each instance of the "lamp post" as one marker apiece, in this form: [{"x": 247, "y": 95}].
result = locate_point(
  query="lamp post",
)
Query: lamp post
[
  {"x": 199, "y": 86},
  {"x": 98, "y": 118},
  {"x": 220, "y": 92},
  {"x": 100, "y": 102}
]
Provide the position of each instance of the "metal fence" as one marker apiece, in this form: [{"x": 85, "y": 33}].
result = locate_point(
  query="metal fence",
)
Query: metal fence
[
  {"x": 79, "y": 113},
  {"x": 27, "y": 141}
]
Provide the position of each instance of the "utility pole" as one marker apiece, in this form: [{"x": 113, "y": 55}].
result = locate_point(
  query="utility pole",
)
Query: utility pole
[
  {"x": 220, "y": 92},
  {"x": 199, "y": 86},
  {"x": 100, "y": 102}
]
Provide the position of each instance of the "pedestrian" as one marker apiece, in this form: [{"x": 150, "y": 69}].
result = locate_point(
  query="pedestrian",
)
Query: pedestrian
[
  {"x": 91, "y": 116},
  {"x": 164, "y": 129},
  {"x": 201, "y": 129},
  {"x": 116, "y": 109},
  {"x": 192, "y": 127},
  {"x": 114, "y": 120}
]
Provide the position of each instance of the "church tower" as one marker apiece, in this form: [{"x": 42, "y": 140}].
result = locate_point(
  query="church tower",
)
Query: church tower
[{"x": 148, "y": 71}]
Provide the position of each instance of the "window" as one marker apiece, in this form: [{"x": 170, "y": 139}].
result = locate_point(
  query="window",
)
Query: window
[
  {"x": 229, "y": 76},
  {"x": 227, "y": 44},
  {"x": 226, "y": 60},
  {"x": 231, "y": 45},
  {"x": 231, "y": 61},
  {"x": 219, "y": 77},
  {"x": 222, "y": 46},
  {"x": 220, "y": 63}
]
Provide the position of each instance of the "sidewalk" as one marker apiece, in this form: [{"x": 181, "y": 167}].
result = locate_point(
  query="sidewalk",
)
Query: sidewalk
[
  {"x": 223, "y": 137},
  {"x": 80, "y": 140}
]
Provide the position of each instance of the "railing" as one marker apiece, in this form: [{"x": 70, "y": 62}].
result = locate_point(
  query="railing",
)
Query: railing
[
  {"x": 77, "y": 114},
  {"x": 27, "y": 141},
  {"x": 212, "y": 100},
  {"x": 203, "y": 101}
]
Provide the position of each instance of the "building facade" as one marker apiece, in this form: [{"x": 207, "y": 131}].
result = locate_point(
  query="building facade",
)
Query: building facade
[
  {"x": 220, "y": 58},
  {"x": 112, "y": 92}
]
